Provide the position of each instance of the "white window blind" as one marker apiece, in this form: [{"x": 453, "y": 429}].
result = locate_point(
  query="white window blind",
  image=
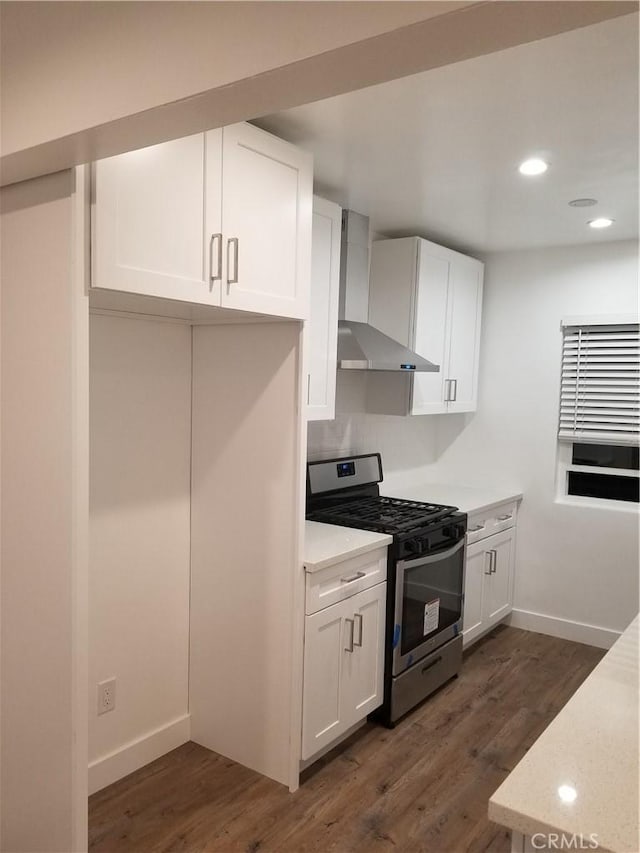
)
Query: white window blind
[{"x": 600, "y": 387}]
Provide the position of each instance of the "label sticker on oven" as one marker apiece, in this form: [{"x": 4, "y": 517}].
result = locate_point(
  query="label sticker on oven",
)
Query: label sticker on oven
[{"x": 431, "y": 615}]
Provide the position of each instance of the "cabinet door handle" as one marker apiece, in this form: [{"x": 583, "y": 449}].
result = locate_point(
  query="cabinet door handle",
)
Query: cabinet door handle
[
  {"x": 360, "y": 620},
  {"x": 235, "y": 241},
  {"x": 505, "y": 517},
  {"x": 349, "y": 648},
  {"x": 454, "y": 383},
  {"x": 447, "y": 390},
  {"x": 477, "y": 528},
  {"x": 488, "y": 554},
  {"x": 353, "y": 578},
  {"x": 218, "y": 274},
  {"x": 494, "y": 560}
]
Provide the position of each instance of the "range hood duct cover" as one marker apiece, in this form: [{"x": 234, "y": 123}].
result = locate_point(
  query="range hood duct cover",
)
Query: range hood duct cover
[{"x": 361, "y": 346}]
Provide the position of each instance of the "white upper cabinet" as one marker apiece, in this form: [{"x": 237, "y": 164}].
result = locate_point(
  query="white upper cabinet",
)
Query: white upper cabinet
[
  {"x": 221, "y": 218},
  {"x": 322, "y": 332},
  {"x": 429, "y": 298}
]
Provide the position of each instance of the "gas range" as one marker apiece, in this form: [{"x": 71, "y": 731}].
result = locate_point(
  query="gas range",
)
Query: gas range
[{"x": 425, "y": 573}]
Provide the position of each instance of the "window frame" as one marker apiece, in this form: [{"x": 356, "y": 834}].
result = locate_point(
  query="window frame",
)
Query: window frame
[{"x": 565, "y": 443}]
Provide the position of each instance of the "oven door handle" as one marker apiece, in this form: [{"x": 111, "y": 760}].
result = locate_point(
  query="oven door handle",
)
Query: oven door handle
[{"x": 431, "y": 558}]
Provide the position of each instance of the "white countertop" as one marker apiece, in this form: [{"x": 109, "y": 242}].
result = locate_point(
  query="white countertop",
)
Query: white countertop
[
  {"x": 326, "y": 544},
  {"x": 590, "y": 747},
  {"x": 468, "y": 499}
]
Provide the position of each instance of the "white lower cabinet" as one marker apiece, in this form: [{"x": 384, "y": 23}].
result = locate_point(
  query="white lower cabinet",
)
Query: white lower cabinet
[
  {"x": 489, "y": 576},
  {"x": 343, "y": 667}
]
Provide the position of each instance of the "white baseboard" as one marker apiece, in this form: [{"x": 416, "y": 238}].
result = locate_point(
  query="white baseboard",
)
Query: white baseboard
[
  {"x": 109, "y": 768},
  {"x": 566, "y": 629}
]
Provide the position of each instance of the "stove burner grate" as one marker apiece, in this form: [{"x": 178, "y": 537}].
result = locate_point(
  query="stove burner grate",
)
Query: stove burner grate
[{"x": 384, "y": 515}]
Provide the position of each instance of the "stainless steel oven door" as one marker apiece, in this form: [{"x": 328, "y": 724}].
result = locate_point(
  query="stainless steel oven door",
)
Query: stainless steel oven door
[{"x": 428, "y": 605}]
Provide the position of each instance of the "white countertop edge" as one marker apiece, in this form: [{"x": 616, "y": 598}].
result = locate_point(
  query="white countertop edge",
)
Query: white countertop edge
[
  {"x": 328, "y": 544},
  {"x": 510, "y": 497}
]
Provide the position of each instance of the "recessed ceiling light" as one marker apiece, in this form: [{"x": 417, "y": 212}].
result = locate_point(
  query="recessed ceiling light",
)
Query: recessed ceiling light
[
  {"x": 602, "y": 222},
  {"x": 534, "y": 166},
  {"x": 583, "y": 202}
]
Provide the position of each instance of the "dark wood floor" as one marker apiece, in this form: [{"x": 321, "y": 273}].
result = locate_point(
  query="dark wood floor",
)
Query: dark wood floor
[{"x": 422, "y": 787}]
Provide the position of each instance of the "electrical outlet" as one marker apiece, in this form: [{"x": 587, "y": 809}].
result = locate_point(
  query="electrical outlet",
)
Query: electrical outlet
[{"x": 106, "y": 696}]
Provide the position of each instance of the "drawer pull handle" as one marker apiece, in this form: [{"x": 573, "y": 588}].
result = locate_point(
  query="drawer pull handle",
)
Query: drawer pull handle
[
  {"x": 504, "y": 517},
  {"x": 432, "y": 664},
  {"x": 349, "y": 648},
  {"x": 477, "y": 528},
  {"x": 353, "y": 578}
]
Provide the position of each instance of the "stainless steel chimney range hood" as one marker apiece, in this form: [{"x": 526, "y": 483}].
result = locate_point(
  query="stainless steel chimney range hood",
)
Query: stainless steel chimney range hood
[{"x": 361, "y": 346}]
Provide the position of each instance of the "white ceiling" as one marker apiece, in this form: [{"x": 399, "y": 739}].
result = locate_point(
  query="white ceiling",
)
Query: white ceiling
[{"x": 436, "y": 154}]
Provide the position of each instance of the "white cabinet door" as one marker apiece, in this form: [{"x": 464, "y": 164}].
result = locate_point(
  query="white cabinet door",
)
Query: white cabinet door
[
  {"x": 465, "y": 296},
  {"x": 322, "y": 329},
  {"x": 266, "y": 219},
  {"x": 431, "y": 339},
  {"x": 498, "y": 599},
  {"x": 152, "y": 223},
  {"x": 343, "y": 667},
  {"x": 476, "y": 568},
  {"x": 363, "y": 671},
  {"x": 325, "y": 637},
  {"x": 489, "y": 577}
]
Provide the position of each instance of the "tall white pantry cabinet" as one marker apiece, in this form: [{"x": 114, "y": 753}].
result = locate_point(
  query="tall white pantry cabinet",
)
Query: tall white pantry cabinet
[{"x": 214, "y": 230}]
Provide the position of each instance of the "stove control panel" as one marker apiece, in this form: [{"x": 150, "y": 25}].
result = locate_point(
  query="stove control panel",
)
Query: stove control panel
[{"x": 436, "y": 538}]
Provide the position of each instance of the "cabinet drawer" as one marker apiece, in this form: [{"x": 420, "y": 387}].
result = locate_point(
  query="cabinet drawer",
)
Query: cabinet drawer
[
  {"x": 337, "y": 582},
  {"x": 483, "y": 524}
]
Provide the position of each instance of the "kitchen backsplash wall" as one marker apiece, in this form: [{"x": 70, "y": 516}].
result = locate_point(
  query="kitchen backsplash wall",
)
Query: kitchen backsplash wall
[{"x": 407, "y": 445}]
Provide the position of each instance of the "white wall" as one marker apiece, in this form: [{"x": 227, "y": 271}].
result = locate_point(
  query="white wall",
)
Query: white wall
[
  {"x": 575, "y": 563},
  {"x": 140, "y": 430},
  {"x": 44, "y": 472}
]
